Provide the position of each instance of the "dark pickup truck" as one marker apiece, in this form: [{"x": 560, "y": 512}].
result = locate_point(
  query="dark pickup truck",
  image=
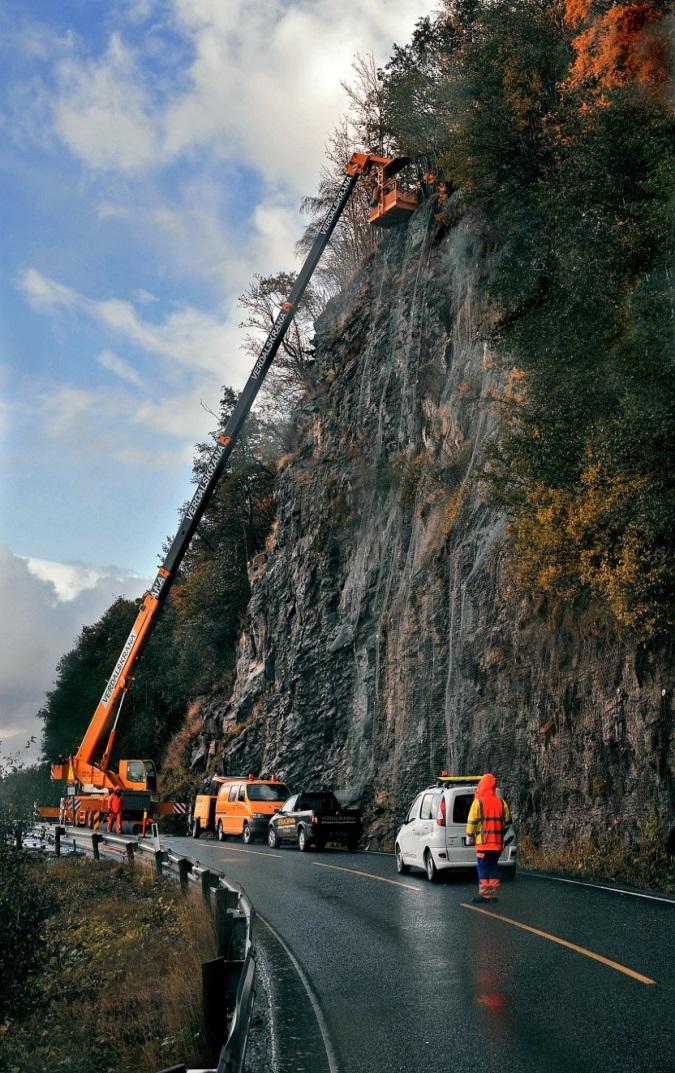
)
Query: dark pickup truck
[{"x": 314, "y": 818}]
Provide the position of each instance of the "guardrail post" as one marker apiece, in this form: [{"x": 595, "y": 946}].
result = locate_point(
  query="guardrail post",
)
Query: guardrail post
[
  {"x": 238, "y": 937},
  {"x": 224, "y": 900},
  {"x": 58, "y": 831},
  {"x": 96, "y": 840},
  {"x": 213, "y": 999},
  {"x": 206, "y": 886},
  {"x": 130, "y": 852},
  {"x": 184, "y": 868},
  {"x": 159, "y": 859}
]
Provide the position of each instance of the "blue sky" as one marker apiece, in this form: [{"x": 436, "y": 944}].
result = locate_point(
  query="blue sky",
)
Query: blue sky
[{"x": 154, "y": 154}]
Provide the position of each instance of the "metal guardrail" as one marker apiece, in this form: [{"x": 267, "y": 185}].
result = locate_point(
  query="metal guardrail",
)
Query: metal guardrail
[{"x": 228, "y": 981}]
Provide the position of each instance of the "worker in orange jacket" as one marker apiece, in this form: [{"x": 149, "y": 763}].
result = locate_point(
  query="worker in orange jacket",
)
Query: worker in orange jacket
[
  {"x": 115, "y": 805},
  {"x": 488, "y": 819}
]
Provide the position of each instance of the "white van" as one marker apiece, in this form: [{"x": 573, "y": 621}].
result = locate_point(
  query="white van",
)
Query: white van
[{"x": 433, "y": 834}]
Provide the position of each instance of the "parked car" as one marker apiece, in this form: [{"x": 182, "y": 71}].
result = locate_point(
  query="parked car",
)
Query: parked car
[
  {"x": 314, "y": 818},
  {"x": 242, "y": 807},
  {"x": 433, "y": 834}
]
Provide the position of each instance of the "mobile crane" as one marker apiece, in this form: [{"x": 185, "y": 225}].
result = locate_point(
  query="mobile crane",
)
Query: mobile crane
[{"x": 88, "y": 775}]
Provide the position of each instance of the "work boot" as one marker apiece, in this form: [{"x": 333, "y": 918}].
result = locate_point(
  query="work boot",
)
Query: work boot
[{"x": 479, "y": 898}]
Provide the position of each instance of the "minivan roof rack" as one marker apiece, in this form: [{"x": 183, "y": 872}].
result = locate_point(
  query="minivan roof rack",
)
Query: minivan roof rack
[{"x": 442, "y": 778}]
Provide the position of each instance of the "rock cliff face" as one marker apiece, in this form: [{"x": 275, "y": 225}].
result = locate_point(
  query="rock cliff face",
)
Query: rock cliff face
[{"x": 383, "y": 643}]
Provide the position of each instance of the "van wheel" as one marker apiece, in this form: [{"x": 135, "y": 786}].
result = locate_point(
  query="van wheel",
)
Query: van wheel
[
  {"x": 219, "y": 831},
  {"x": 196, "y": 830},
  {"x": 401, "y": 868},
  {"x": 303, "y": 841},
  {"x": 431, "y": 869},
  {"x": 272, "y": 838},
  {"x": 247, "y": 835}
]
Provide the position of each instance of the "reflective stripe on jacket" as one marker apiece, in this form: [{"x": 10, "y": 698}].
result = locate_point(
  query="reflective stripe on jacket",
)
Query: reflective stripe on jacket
[{"x": 489, "y": 816}]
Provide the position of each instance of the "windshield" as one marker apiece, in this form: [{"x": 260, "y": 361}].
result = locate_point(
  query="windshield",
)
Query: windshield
[
  {"x": 135, "y": 771},
  {"x": 266, "y": 791}
]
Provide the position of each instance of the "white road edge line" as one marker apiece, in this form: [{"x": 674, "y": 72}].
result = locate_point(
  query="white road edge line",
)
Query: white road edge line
[
  {"x": 598, "y": 886},
  {"x": 323, "y": 1028}
]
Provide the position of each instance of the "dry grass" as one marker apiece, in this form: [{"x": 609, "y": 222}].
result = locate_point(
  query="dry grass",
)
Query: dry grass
[
  {"x": 645, "y": 864},
  {"x": 118, "y": 985},
  {"x": 175, "y": 770}
]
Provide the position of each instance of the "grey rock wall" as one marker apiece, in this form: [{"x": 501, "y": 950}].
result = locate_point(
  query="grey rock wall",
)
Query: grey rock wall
[{"x": 383, "y": 641}]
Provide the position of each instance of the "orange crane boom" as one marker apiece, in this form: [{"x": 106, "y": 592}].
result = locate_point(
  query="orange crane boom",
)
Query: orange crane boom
[{"x": 87, "y": 772}]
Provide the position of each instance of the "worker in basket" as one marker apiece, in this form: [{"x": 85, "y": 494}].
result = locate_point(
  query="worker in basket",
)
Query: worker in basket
[{"x": 115, "y": 810}]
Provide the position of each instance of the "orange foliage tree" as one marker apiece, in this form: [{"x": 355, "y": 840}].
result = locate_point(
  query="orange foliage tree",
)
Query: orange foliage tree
[{"x": 618, "y": 43}]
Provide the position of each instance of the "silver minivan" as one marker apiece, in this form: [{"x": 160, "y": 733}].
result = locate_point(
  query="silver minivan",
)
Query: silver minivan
[{"x": 433, "y": 834}]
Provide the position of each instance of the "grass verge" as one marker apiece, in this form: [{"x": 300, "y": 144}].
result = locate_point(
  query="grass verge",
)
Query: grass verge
[{"x": 115, "y": 983}]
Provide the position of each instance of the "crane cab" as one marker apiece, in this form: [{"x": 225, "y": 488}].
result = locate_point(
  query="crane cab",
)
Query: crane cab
[
  {"x": 138, "y": 774},
  {"x": 392, "y": 200}
]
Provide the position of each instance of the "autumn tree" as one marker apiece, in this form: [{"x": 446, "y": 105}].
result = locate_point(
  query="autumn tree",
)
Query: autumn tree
[
  {"x": 618, "y": 44},
  {"x": 566, "y": 148},
  {"x": 292, "y": 373},
  {"x": 361, "y": 129},
  {"x": 418, "y": 90}
]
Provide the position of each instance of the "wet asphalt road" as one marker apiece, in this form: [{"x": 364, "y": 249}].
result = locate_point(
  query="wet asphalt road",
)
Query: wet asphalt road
[{"x": 406, "y": 976}]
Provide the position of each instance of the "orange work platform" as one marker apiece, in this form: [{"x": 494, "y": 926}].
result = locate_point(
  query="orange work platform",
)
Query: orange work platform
[
  {"x": 393, "y": 207},
  {"x": 391, "y": 203}
]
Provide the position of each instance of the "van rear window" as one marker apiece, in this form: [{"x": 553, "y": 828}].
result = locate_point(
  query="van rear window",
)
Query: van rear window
[
  {"x": 266, "y": 791},
  {"x": 460, "y": 812}
]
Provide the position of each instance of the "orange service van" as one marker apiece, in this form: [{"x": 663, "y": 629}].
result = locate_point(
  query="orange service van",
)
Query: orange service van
[{"x": 242, "y": 807}]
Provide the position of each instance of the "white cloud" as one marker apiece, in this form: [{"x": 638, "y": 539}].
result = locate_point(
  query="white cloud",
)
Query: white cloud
[
  {"x": 109, "y": 360},
  {"x": 263, "y": 86},
  {"x": 275, "y": 233},
  {"x": 265, "y": 80},
  {"x": 145, "y": 297},
  {"x": 194, "y": 339},
  {"x": 45, "y": 294},
  {"x": 104, "y": 113},
  {"x": 138, "y": 11},
  {"x": 43, "y": 607},
  {"x": 70, "y": 579},
  {"x": 183, "y": 416},
  {"x": 69, "y": 416},
  {"x": 65, "y": 411}
]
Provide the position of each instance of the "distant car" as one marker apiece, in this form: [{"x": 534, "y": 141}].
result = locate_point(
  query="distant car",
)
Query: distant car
[
  {"x": 314, "y": 818},
  {"x": 433, "y": 834}
]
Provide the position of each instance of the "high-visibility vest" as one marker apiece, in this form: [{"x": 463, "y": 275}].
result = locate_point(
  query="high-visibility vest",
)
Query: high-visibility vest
[{"x": 486, "y": 822}]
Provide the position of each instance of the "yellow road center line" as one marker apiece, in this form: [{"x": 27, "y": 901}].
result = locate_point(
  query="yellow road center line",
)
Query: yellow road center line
[
  {"x": 563, "y": 942},
  {"x": 368, "y": 875}
]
